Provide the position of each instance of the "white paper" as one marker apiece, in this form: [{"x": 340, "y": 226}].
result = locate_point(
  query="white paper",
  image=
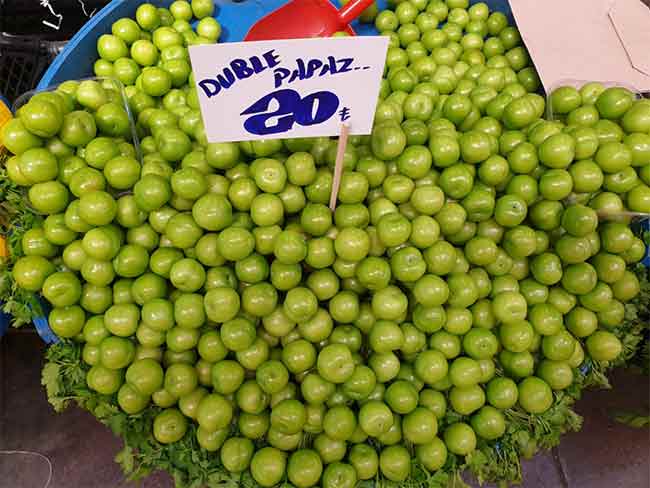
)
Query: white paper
[
  {"x": 577, "y": 40},
  {"x": 288, "y": 88}
]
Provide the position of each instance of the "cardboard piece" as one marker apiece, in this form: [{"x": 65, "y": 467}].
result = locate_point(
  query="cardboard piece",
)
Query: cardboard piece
[
  {"x": 288, "y": 88},
  {"x": 631, "y": 21},
  {"x": 588, "y": 40}
]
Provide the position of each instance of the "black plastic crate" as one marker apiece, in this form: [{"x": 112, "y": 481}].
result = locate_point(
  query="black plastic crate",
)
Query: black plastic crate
[
  {"x": 32, "y": 32},
  {"x": 49, "y": 20},
  {"x": 22, "y": 62}
]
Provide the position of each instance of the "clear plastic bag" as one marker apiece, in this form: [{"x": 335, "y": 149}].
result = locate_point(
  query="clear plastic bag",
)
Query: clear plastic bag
[
  {"x": 116, "y": 92},
  {"x": 578, "y": 84}
]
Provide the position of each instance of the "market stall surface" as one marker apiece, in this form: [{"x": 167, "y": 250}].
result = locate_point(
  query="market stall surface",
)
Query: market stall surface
[{"x": 605, "y": 454}]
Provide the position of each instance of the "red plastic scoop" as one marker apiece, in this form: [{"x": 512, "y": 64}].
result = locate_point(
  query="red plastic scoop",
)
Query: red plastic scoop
[{"x": 300, "y": 19}]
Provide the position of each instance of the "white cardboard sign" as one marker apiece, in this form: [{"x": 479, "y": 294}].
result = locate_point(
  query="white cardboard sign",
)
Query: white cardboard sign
[{"x": 288, "y": 88}]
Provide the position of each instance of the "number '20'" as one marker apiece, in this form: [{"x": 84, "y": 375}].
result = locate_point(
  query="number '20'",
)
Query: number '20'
[{"x": 292, "y": 109}]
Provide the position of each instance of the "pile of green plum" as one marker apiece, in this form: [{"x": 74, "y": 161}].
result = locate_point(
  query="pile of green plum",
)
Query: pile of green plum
[{"x": 477, "y": 255}]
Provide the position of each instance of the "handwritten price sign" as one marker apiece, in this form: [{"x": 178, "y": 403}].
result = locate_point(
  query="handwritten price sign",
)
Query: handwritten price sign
[{"x": 288, "y": 89}]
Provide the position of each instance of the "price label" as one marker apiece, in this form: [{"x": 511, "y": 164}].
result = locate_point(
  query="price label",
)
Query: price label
[{"x": 289, "y": 88}]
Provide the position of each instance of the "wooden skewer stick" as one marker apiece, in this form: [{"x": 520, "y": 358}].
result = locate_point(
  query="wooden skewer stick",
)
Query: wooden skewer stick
[{"x": 338, "y": 166}]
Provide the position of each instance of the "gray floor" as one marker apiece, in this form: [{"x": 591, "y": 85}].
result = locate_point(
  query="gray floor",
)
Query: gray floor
[{"x": 604, "y": 454}]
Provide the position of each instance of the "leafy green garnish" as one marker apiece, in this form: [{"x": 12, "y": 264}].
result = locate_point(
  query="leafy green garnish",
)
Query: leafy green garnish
[
  {"x": 634, "y": 332},
  {"x": 193, "y": 467},
  {"x": 64, "y": 378},
  {"x": 189, "y": 465},
  {"x": 636, "y": 420},
  {"x": 15, "y": 219},
  {"x": 498, "y": 461},
  {"x": 526, "y": 434}
]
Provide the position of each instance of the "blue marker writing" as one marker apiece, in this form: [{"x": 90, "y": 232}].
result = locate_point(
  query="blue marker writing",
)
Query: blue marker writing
[{"x": 239, "y": 69}]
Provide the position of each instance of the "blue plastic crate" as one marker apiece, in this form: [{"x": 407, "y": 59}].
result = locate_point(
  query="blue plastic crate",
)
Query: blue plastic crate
[
  {"x": 5, "y": 320},
  {"x": 236, "y": 18},
  {"x": 40, "y": 324},
  {"x": 645, "y": 225}
]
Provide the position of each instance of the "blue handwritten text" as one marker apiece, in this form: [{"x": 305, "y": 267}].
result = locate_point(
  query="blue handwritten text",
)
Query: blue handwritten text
[
  {"x": 304, "y": 69},
  {"x": 239, "y": 69}
]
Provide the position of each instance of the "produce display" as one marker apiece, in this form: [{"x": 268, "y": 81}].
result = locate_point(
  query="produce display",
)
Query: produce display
[{"x": 477, "y": 273}]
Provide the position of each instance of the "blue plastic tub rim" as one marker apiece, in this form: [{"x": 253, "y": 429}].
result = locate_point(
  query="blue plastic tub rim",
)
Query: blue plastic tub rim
[
  {"x": 44, "y": 331},
  {"x": 235, "y": 17}
]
